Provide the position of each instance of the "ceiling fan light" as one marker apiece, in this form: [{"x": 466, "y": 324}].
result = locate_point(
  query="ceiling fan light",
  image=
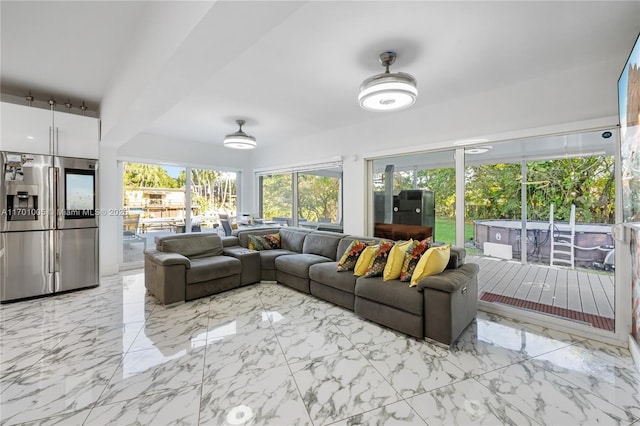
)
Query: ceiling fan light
[
  {"x": 388, "y": 91},
  {"x": 239, "y": 139}
]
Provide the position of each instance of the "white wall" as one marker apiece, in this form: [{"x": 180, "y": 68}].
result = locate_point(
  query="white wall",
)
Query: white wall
[{"x": 110, "y": 199}]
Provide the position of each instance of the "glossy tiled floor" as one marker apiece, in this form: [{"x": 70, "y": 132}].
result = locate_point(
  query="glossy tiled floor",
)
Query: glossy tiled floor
[{"x": 268, "y": 354}]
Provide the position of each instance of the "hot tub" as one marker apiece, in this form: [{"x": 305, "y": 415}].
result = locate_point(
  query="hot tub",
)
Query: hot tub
[{"x": 592, "y": 243}]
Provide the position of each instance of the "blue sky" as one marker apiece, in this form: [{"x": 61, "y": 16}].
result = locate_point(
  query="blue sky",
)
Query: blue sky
[{"x": 173, "y": 171}]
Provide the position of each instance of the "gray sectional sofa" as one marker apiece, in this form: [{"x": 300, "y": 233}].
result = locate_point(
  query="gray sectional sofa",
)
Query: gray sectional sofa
[{"x": 440, "y": 307}]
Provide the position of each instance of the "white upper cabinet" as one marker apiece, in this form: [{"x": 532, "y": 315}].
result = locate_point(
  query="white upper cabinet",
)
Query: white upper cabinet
[
  {"x": 76, "y": 135},
  {"x": 40, "y": 131},
  {"x": 25, "y": 129}
]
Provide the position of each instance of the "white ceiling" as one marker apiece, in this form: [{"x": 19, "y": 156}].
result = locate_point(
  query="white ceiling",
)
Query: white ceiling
[{"x": 186, "y": 70}]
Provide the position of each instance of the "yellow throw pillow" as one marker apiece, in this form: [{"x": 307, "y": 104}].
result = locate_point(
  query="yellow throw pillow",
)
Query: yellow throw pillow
[
  {"x": 395, "y": 260},
  {"x": 431, "y": 263},
  {"x": 365, "y": 259}
]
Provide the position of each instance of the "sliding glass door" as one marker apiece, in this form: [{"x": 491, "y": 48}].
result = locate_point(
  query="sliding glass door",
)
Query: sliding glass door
[
  {"x": 538, "y": 219},
  {"x": 161, "y": 200}
]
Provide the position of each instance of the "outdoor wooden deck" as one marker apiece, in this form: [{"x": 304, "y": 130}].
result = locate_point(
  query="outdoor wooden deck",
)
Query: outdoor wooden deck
[{"x": 572, "y": 293}]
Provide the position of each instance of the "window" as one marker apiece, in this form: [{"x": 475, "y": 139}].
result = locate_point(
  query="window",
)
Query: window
[
  {"x": 156, "y": 203},
  {"x": 316, "y": 197}
]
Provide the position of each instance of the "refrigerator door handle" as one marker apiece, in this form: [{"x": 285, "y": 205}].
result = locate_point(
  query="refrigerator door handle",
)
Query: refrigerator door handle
[
  {"x": 51, "y": 214},
  {"x": 56, "y": 197},
  {"x": 52, "y": 252},
  {"x": 57, "y": 243}
]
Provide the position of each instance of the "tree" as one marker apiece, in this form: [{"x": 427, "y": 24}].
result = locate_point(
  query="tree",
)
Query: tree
[
  {"x": 318, "y": 197},
  {"x": 147, "y": 176},
  {"x": 277, "y": 196}
]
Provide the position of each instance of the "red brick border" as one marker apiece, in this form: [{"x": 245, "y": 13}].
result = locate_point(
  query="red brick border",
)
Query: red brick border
[{"x": 595, "y": 320}]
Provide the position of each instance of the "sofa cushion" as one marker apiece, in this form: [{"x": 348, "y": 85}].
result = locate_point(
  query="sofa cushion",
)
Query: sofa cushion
[
  {"x": 268, "y": 257},
  {"x": 325, "y": 273},
  {"x": 191, "y": 245},
  {"x": 432, "y": 262},
  {"x": 298, "y": 264},
  {"x": 292, "y": 239},
  {"x": 322, "y": 243},
  {"x": 211, "y": 268},
  {"x": 412, "y": 257},
  {"x": 379, "y": 261},
  {"x": 391, "y": 293},
  {"x": 264, "y": 242},
  {"x": 395, "y": 260},
  {"x": 350, "y": 256},
  {"x": 457, "y": 258},
  {"x": 230, "y": 241}
]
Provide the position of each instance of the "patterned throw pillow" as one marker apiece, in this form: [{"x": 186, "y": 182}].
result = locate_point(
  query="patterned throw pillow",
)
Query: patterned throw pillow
[
  {"x": 379, "y": 261},
  {"x": 264, "y": 242},
  {"x": 431, "y": 263},
  {"x": 348, "y": 260},
  {"x": 396, "y": 260},
  {"x": 412, "y": 257}
]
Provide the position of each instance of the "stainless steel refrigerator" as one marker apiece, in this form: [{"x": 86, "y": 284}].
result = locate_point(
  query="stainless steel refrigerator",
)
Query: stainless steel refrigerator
[{"x": 48, "y": 225}]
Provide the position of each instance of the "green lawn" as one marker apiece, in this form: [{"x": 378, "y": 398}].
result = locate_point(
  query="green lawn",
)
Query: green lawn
[{"x": 446, "y": 230}]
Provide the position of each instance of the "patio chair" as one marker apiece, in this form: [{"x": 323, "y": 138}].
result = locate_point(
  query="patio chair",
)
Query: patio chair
[
  {"x": 130, "y": 229},
  {"x": 226, "y": 226}
]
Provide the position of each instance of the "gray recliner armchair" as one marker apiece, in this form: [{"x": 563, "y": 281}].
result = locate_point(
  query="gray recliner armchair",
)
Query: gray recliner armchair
[{"x": 188, "y": 266}]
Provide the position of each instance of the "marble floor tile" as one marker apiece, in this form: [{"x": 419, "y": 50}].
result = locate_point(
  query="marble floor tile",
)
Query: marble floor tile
[
  {"x": 173, "y": 407},
  {"x": 182, "y": 312},
  {"x": 618, "y": 385},
  {"x": 19, "y": 353},
  {"x": 169, "y": 332},
  {"x": 7, "y": 379},
  {"x": 47, "y": 390},
  {"x": 467, "y": 403},
  {"x": 337, "y": 387},
  {"x": 398, "y": 413},
  {"x": 412, "y": 367},
  {"x": 268, "y": 354},
  {"x": 549, "y": 399},
  {"x": 255, "y": 397},
  {"x": 611, "y": 354},
  {"x": 230, "y": 355},
  {"x": 37, "y": 326},
  {"x": 361, "y": 332},
  {"x": 310, "y": 340},
  {"x": 513, "y": 336},
  {"x": 95, "y": 342},
  {"x": 277, "y": 295},
  {"x": 155, "y": 370},
  {"x": 228, "y": 323},
  {"x": 335, "y": 312},
  {"x": 296, "y": 311},
  {"x": 71, "y": 418}
]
